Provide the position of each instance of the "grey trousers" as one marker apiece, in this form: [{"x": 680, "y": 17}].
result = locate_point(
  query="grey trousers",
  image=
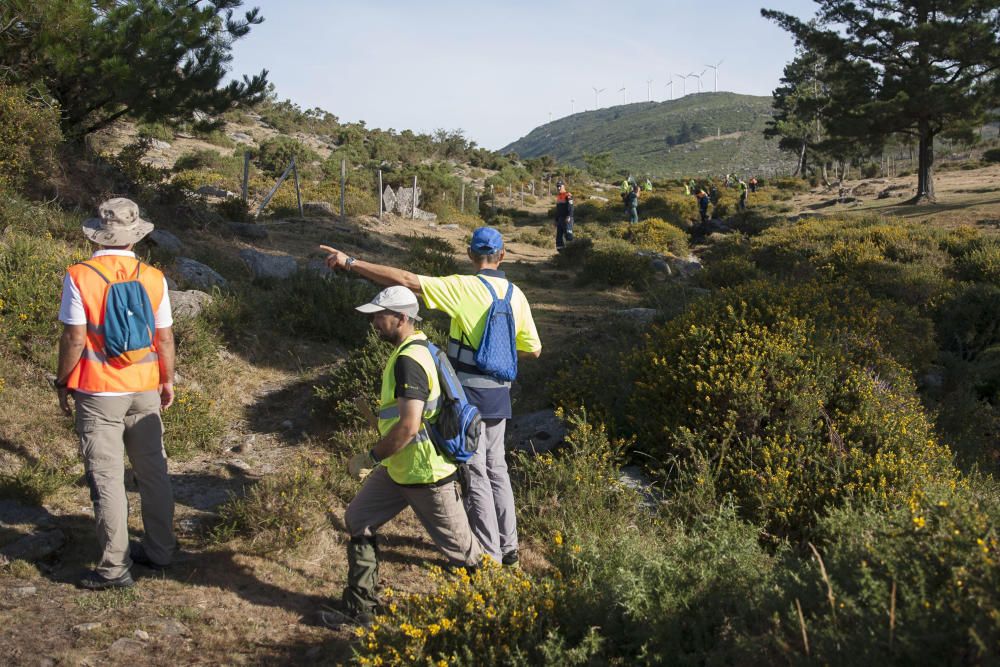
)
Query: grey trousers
[
  {"x": 109, "y": 427},
  {"x": 490, "y": 500}
]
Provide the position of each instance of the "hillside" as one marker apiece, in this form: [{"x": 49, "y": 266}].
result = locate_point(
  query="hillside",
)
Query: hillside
[{"x": 636, "y": 136}]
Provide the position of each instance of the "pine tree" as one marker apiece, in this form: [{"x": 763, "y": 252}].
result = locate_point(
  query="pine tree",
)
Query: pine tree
[
  {"x": 147, "y": 59},
  {"x": 910, "y": 67}
]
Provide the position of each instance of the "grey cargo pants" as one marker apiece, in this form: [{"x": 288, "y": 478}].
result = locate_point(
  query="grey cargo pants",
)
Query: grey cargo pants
[{"x": 490, "y": 500}]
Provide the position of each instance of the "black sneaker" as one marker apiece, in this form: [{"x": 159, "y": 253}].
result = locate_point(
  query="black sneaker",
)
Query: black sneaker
[
  {"x": 138, "y": 555},
  {"x": 95, "y": 582},
  {"x": 510, "y": 559}
]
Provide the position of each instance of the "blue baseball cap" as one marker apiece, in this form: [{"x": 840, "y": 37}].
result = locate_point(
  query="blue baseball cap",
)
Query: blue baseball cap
[{"x": 486, "y": 241}]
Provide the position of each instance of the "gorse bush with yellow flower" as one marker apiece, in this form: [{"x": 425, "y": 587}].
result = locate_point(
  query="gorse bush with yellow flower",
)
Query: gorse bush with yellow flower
[{"x": 495, "y": 616}]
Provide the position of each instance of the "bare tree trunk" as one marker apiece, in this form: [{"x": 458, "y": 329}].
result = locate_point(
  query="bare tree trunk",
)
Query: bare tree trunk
[
  {"x": 800, "y": 169},
  {"x": 925, "y": 166}
]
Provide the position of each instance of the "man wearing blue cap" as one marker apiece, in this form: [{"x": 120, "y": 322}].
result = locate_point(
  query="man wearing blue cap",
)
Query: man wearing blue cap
[{"x": 489, "y": 500}]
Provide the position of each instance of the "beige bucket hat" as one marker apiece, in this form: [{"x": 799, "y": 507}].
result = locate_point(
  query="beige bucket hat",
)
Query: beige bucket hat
[{"x": 119, "y": 223}]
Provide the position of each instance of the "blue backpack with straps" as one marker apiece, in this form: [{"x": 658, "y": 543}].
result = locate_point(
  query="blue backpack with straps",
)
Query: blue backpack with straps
[
  {"x": 128, "y": 318},
  {"x": 455, "y": 430},
  {"x": 497, "y": 353}
]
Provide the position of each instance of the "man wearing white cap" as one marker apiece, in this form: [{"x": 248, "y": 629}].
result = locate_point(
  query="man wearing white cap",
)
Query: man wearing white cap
[
  {"x": 407, "y": 469},
  {"x": 468, "y": 300},
  {"x": 116, "y": 359}
]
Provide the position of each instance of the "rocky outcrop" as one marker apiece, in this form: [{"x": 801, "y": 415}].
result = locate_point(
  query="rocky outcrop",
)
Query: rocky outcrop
[
  {"x": 195, "y": 273},
  {"x": 262, "y": 265}
]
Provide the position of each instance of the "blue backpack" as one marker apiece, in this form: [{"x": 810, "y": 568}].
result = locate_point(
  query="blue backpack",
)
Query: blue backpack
[
  {"x": 455, "y": 430},
  {"x": 128, "y": 318},
  {"x": 497, "y": 354}
]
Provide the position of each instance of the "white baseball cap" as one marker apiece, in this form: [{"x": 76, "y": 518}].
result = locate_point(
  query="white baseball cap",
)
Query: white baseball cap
[{"x": 398, "y": 299}]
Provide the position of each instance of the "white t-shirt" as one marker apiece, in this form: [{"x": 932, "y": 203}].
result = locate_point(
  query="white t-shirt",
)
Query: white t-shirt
[{"x": 71, "y": 309}]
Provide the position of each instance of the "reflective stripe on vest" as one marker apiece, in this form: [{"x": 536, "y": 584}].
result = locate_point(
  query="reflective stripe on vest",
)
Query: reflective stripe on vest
[
  {"x": 419, "y": 462},
  {"x": 463, "y": 359},
  {"x": 94, "y": 373}
]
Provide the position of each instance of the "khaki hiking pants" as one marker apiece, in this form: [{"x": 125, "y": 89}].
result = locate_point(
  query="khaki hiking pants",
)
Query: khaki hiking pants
[
  {"x": 109, "y": 427},
  {"x": 439, "y": 509}
]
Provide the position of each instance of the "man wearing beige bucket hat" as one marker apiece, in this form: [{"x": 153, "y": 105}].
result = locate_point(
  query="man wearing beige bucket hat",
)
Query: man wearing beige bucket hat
[{"x": 116, "y": 360}]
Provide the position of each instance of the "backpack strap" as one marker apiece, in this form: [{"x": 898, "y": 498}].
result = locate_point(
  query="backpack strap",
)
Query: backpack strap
[
  {"x": 510, "y": 288},
  {"x": 98, "y": 271}
]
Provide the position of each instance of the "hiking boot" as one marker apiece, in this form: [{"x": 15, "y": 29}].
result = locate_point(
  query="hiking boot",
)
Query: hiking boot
[
  {"x": 510, "y": 559},
  {"x": 138, "y": 555},
  {"x": 95, "y": 582},
  {"x": 336, "y": 619}
]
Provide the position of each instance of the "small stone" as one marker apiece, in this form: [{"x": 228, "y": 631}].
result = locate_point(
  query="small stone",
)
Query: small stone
[
  {"x": 21, "y": 590},
  {"x": 262, "y": 265},
  {"x": 197, "y": 274},
  {"x": 188, "y": 304},
  {"x": 126, "y": 648},
  {"x": 159, "y": 144},
  {"x": 214, "y": 191},
  {"x": 35, "y": 546},
  {"x": 84, "y": 628},
  {"x": 164, "y": 240},
  {"x": 241, "y": 137},
  {"x": 141, "y": 635},
  {"x": 287, "y": 424},
  {"x": 168, "y": 626}
]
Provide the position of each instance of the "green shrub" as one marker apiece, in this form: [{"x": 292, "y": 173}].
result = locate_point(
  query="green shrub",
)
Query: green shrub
[
  {"x": 207, "y": 159},
  {"x": 31, "y": 272},
  {"x": 275, "y": 154},
  {"x": 575, "y": 489},
  {"x": 431, "y": 256},
  {"x": 784, "y": 419},
  {"x": 34, "y": 483},
  {"x": 992, "y": 155},
  {"x": 159, "y": 131},
  {"x": 616, "y": 264},
  {"x": 29, "y": 136},
  {"x": 656, "y": 235},
  {"x": 981, "y": 264},
  {"x": 277, "y": 512},
  {"x": 459, "y": 622},
  {"x": 358, "y": 377},
  {"x": 192, "y": 424},
  {"x": 310, "y": 306},
  {"x": 917, "y": 584}
]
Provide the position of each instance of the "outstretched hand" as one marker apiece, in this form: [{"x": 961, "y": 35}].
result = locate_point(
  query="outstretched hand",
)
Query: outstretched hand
[{"x": 336, "y": 259}]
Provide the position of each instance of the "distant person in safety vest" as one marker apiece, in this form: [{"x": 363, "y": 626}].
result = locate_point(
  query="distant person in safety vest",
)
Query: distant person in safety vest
[
  {"x": 406, "y": 469},
  {"x": 468, "y": 299},
  {"x": 742, "y": 189},
  {"x": 116, "y": 361},
  {"x": 564, "y": 216}
]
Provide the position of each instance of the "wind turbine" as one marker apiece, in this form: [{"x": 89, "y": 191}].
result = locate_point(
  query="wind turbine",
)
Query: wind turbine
[
  {"x": 670, "y": 85},
  {"x": 692, "y": 75},
  {"x": 683, "y": 83},
  {"x": 624, "y": 94},
  {"x": 597, "y": 91},
  {"x": 715, "y": 68},
  {"x": 572, "y": 106},
  {"x": 649, "y": 90},
  {"x": 550, "y": 116}
]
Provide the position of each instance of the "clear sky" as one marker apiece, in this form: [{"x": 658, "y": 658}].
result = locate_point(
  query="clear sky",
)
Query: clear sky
[{"x": 496, "y": 71}]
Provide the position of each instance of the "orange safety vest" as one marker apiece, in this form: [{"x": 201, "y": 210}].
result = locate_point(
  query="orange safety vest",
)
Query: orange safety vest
[{"x": 93, "y": 373}]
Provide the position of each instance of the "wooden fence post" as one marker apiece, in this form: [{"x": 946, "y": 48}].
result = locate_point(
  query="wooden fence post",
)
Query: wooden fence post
[
  {"x": 463, "y": 197},
  {"x": 298, "y": 193},
  {"x": 343, "y": 183},
  {"x": 413, "y": 209},
  {"x": 380, "y": 203},
  {"x": 246, "y": 176}
]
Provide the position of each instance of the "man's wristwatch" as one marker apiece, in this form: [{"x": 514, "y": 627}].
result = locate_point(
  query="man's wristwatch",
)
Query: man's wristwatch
[{"x": 349, "y": 262}]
